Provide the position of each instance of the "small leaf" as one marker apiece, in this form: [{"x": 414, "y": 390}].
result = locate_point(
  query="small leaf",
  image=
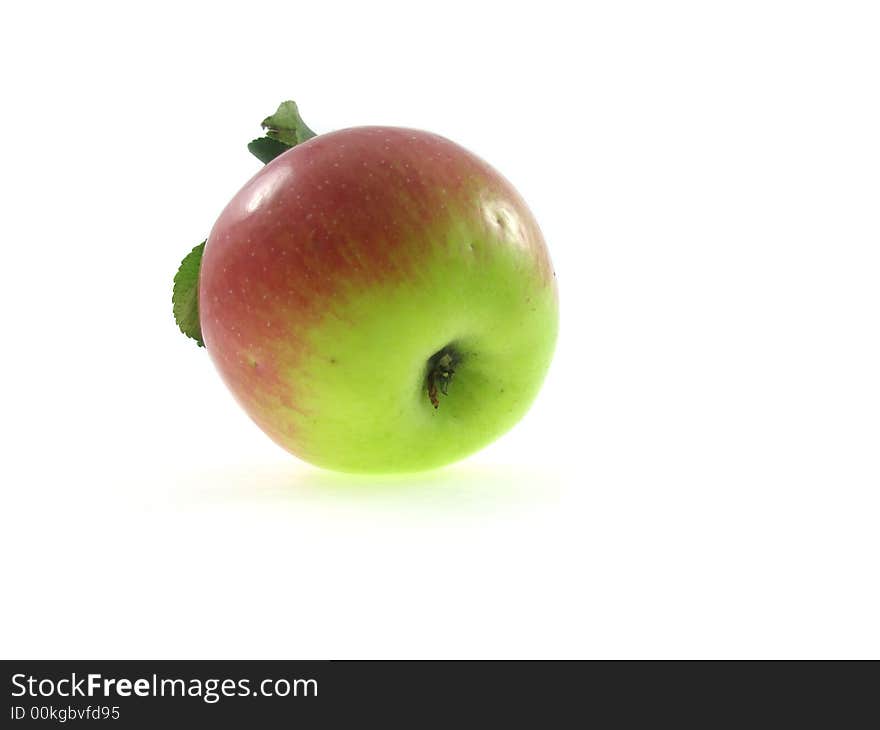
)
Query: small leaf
[
  {"x": 185, "y": 299},
  {"x": 266, "y": 149},
  {"x": 287, "y": 126}
]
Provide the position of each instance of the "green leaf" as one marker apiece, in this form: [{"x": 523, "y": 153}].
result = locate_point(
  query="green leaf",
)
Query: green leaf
[
  {"x": 185, "y": 299},
  {"x": 266, "y": 149},
  {"x": 287, "y": 126}
]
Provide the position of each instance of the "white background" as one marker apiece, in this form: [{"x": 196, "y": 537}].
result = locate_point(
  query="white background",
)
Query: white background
[{"x": 700, "y": 474}]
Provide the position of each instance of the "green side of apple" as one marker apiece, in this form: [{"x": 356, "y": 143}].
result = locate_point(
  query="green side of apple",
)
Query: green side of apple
[{"x": 362, "y": 402}]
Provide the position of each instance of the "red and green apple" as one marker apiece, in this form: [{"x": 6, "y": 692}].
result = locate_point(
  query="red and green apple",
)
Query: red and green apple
[{"x": 379, "y": 299}]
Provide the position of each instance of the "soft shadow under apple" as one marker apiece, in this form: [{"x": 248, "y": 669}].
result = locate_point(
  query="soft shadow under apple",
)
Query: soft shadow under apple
[{"x": 466, "y": 486}]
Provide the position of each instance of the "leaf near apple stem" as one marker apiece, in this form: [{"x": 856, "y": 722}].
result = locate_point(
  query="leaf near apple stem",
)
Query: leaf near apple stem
[
  {"x": 185, "y": 298},
  {"x": 284, "y": 129},
  {"x": 266, "y": 149}
]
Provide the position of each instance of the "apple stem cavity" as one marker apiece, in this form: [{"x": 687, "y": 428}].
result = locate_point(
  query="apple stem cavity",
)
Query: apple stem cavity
[{"x": 441, "y": 368}]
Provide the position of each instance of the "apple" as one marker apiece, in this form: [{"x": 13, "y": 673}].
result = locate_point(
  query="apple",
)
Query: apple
[{"x": 379, "y": 299}]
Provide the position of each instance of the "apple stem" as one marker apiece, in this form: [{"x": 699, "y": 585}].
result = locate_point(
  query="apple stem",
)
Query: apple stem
[{"x": 441, "y": 368}]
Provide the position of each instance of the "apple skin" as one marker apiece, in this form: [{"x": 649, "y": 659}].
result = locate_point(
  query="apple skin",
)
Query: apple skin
[{"x": 344, "y": 265}]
